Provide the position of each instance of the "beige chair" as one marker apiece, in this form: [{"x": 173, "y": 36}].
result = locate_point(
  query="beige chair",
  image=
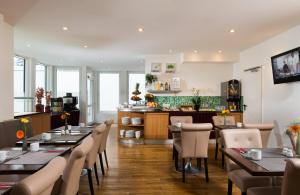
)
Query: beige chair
[
  {"x": 179, "y": 119},
  {"x": 102, "y": 148},
  {"x": 219, "y": 120},
  {"x": 71, "y": 175},
  {"x": 265, "y": 131},
  {"x": 91, "y": 158},
  {"x": 242, "y": 138},
  {"x": 41, "y": 182},
  {"x": 290, "y": 185},
  {"x": 194, "y": 144}
]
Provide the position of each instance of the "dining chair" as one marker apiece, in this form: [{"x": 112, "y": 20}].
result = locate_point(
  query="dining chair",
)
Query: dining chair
[
  {"x": 102, "y": 147},
  {"x": 265, "y": 131},
  {"x": 290, "y": 185},
  {"x": 91, "y": 157},
  {"x": 243, "y": 138},
  {"x": 71, "y": 175},
  {"x": 176, "y": 136},
  {"x": 41, "y": 182},
  {"x": 194, "y": 144},
  {"x": 219, "y": 120}
]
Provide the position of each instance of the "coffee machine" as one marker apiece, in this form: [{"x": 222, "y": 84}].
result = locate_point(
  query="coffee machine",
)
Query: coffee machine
[
  {"x": 231, "y": 95},
  {"x": 70, "y": 102}
]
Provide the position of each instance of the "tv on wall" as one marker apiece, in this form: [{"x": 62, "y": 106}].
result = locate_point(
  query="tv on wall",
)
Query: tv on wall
[{"x": 286, "y": 66}]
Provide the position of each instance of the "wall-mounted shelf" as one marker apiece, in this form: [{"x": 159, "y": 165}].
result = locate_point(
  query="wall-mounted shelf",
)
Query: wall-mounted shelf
[{"x": 164, "y": 92}]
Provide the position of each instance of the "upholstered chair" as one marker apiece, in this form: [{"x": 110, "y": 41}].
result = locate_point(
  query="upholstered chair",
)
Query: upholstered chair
[
  {"x": 72, "y": 172},
  {"x": 102, "y": 147},
  {"x": 179, "y": 119},
  {"x": 220, "y": 120},
  {"x": 91, "y": 158},
  {"x": 41, "y": 182},
  {"x": 194, "y": 144},
  {"x": 242, "y": 138},
  {"x": 290, "y": 185},
  {"x": 265, "y": 131}
]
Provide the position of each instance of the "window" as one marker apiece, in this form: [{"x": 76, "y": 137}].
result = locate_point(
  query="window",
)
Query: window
[
  {"x": 19, "y": 76},
  {"x": 133, "y": 79},
  {"x": 109, "y": 91},
  {"x": 90, "y": 110},
  {"x": 67, "y": 81},
  {"x": 40, "y": 76}
]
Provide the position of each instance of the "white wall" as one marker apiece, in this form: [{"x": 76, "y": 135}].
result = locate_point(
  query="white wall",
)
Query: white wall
[
  {"x": 206, "y": 76},
  {"x": 6, "y": 70},
  {"x": 279, "y": 102}
]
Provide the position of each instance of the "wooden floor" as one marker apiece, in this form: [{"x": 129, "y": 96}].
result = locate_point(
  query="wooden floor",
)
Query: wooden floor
[{"x": 149, "y": 169}]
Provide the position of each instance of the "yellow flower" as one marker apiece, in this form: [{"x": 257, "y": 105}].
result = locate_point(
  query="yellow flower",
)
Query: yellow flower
[
  {"x": 298, "y": 119},
  {"x": 24, "y": 120}
]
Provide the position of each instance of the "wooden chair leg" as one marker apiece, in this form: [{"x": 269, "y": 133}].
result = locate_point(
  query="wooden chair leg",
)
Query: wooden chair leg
[
  {"x": 199, "y": 163},
  {"x": 91, "y": 181},
  {"x": 183, "y": 170},
  {"x": 229, "y": 190},
  {"x": 216, "y": 150},
  {"x": 206, "y": 170},
  {"x": 173, "y": 153},
  {"x": 96, "y": 173},
  {"x": 223, "y": 161},
  {"x": 176, "y": 158},
  {"x": 106, "y": 159},
  {"x": 101, "y": 164}
]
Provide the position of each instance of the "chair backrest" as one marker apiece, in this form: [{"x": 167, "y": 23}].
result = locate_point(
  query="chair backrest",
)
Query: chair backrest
[
  {"x": 41, "y": 182},
  {"x": 219, "y": 120},
  {"x": 195, "y": 138},
  {"x": 265, "y": 131},
  {"x": 290, "y": 184},
  {"x": 91, "y": 157},
  {"x": 181, "y": 119},
  {"x": 108, "y": 124},
  {"x": 240, "y": 138},
  {"x": 71, "y": 175}
]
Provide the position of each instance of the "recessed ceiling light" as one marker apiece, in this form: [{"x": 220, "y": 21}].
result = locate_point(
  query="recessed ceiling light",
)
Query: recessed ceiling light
[
  {"x": 232, "y": 31},
  {"x": 220, "y": 51},
  {"x": 85, "y": 46},
  {"x": 65, "y": 28},
  {"x": 195, "y": 51},
  {"x": 28, "y": 45},
  {"x": 170, "y": 51},
  {"x": 140, "y": 29}
]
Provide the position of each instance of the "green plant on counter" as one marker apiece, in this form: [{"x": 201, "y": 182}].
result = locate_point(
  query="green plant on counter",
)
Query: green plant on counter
[{"x": 150, "y": 79}]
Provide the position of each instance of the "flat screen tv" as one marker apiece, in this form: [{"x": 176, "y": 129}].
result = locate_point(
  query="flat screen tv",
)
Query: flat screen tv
[{"x": 286, "y": 66}]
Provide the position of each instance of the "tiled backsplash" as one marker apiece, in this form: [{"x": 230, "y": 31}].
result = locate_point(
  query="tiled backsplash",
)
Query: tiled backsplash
[{"x": 176, "y": 101}]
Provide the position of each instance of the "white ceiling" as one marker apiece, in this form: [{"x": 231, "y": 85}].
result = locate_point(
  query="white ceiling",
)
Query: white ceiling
[{"x": 109, "y": 28}]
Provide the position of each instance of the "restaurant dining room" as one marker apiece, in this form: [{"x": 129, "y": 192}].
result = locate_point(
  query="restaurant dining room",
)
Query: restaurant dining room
[{"x": 149, "y": 97}]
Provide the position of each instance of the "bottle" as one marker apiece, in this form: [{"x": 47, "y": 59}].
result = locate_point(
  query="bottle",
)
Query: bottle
[
  {"x": 166, "y": 86},
  {"x": 161, "y": 87}
]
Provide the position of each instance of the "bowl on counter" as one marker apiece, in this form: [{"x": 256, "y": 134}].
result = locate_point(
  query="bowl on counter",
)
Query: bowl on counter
[
  {"x": 125, "y": 120},
  {"x": 136, "y": 121}
]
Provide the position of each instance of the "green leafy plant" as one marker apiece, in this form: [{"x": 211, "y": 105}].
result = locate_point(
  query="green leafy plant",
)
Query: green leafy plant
[{"x": 150, "y": 79}]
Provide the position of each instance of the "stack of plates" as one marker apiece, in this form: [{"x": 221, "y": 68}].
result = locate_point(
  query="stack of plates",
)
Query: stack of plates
[
  {"x": 125, "y": 120},
  {"x": 136, "y": 121},
  {"x": 130, "y": 133}
]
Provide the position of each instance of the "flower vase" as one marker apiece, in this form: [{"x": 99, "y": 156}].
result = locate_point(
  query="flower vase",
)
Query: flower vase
[
  {"x": 24, "y": 144},
  {"x": 39, "y": 108},
  {"x": 297, "y": 149},
  {"x": 48, "y": 109}
]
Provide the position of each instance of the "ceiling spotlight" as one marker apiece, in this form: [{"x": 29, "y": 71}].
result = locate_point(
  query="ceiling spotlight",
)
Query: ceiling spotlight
[
  {"x": 64, "y": 28},
  {"x": 28, "y": 45},
  {"x": 140, "y": 29},
  {"x": 232, "y": 31},
  {"x": 85, "y": 46},
  {"x": 195, "y": 51},
  {"x": 170, "y": 51},
  {"x": 220, "y": 51}
]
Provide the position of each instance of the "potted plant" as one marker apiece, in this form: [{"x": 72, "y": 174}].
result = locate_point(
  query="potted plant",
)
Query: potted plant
[
  {"x": 150, "y": 79},
  {"x": 39, "y": 94},
  {"x": 48, "y": 101},
  {"x": 196, "y": 99}
]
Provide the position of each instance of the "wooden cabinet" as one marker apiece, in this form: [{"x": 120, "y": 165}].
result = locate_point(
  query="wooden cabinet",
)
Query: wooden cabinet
[
  {"x": 156, "y": 125},
  {"x": 238, "y": 116},
  {"x": 40, "y": 122}
]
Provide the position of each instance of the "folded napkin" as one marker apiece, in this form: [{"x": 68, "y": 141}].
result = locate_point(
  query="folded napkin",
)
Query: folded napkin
[
  {"x": 240, "y": 150},
  {"x": 6, "y": 185}
]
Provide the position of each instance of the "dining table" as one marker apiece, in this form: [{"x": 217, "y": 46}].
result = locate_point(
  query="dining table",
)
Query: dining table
[{"x": 271, "y": 164}]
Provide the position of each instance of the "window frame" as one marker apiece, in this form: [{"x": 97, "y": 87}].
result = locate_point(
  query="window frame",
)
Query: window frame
[
  {"x": 24, "y": 74},
  {"x": 46, "y": 75}
]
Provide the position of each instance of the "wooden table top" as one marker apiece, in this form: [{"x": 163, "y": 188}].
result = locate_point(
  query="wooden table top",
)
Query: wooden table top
[
  {"x": 16, "y": 165},
  {"x": 251, "y": 167}
]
